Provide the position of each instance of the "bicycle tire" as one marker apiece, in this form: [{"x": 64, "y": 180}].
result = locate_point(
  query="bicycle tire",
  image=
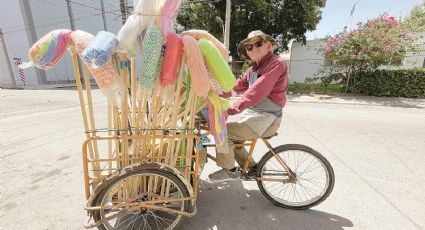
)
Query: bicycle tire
[
  {"x": 181, "y": 187},
  {"x": 330, "y": 176}
]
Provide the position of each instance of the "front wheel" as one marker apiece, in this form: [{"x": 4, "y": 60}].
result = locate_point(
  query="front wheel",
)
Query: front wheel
[
  {"x": 311, "y": 182},
  {"x": 142, "y": 185}
]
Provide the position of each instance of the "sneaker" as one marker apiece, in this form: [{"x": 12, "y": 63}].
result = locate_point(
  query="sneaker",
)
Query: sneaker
[
  {"x": 224, "y": 175},
  {"x": 252, "y": 172}
]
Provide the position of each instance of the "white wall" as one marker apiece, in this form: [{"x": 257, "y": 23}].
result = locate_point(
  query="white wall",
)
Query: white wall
[
  {"x": 416, "y": 60},
  {"x": 305, "y": 60},
  {"x": 16, "y": 40},
  {"x": 49, "y": 15},
  {"x": 87, "y": 17}
]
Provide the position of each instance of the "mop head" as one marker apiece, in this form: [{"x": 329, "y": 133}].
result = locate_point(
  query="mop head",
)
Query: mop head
[
  {"x": 106, "y": 76},
  {"x": 145, "y": 13},
  {"x": 152, "y": 46},
  {"x": 48, "y": 51},
  {"x": 169, "y": 12},
  {"x": 217, "y": 117},
  {"x": 198, "y": 34},
  {"x": 217, "y": 65},
  {"x": 197, "y": 69},
  {"x": 100, "y": 49},
  {"x": 172, "y": 58}
]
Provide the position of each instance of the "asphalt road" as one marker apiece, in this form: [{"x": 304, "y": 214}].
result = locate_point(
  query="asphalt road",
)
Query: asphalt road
[{"x": 375, "y": 145}]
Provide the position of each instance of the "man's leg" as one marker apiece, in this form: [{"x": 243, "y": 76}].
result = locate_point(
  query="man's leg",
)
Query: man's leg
[
  {"x": 225, "y": 154},
  {"x": 241, "y": 155},
  {"x": 273, "y": 127},
  {"x": 236, "y": 132}
]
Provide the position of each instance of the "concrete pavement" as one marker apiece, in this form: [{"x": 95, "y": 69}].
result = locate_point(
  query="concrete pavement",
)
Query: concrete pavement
[{"x": 376, "y": 146}]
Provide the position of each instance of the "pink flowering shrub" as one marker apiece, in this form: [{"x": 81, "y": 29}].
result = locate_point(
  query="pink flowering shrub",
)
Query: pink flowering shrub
[{"x": 379, "y": 41}]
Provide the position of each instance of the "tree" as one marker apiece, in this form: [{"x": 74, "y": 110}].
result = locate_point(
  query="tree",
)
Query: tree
[
  {"x": 379, "y": 41},
  {"x": 283, "y": 19},
  {"x": 415, "y": 21}
]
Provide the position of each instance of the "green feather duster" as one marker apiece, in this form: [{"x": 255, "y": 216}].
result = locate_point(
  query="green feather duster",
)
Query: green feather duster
[{"x": 152, "y": 46}]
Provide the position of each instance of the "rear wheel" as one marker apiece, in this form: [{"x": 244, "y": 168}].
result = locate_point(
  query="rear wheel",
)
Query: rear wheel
[
  {"x": 138, "y": 186},
  {"x": 312, "y": 181}
]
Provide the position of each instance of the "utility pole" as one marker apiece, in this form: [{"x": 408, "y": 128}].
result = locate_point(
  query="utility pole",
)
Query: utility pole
[
  {"x": 31, "y": 35},
  {"x": 72, "y": 22},
  {"x": 6, "y": 58},
  {"x": 102, "y": 6},
  {"x": 123, "y": 13},
  {"x": 227, "y": 23},
  {"x": 70, "y": 14}
]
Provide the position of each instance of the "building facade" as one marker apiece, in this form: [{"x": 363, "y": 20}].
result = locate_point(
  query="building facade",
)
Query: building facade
[
  {"x": 305, "y": 60},
  {"x": 23, "y": 22}
]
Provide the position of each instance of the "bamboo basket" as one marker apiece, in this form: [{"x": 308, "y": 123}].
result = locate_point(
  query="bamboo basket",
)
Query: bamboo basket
[{"x": 145, "y": 128}]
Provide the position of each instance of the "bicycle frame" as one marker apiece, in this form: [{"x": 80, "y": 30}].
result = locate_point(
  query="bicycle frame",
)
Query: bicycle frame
[{"x": 252, "y": 143}]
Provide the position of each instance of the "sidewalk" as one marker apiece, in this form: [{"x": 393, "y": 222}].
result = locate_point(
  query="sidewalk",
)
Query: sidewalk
[{"x": 358, "y": 100}]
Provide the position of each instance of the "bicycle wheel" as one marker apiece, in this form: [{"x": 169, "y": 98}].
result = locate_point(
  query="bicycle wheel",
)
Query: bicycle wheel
[
  {"x": 312, "y": 181},
  {"x": 137, "y": 186}
]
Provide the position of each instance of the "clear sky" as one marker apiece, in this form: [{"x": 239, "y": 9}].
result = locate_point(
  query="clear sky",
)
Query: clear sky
[{"x": 336, "y": 13}]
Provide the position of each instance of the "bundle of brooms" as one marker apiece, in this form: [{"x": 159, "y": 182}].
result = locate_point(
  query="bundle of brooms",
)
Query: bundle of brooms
[
  {"x": 151, "y": 117},
  {"x": 147, "y": 126}
]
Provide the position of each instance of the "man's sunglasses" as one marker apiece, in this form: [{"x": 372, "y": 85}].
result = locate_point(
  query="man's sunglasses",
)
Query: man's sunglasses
[{"x": 251, "y": 46}]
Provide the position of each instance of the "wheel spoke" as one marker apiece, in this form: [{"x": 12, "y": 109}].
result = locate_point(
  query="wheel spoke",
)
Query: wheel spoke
[
  {"x": 131, "y": 189},
  {"x": 315, "y": 183},
  {"x": 307, "y": 190},
  {"x": 298, "y": 163},
  {"x": 311, "y": 181},
  {"x": 311, "y": 169}
]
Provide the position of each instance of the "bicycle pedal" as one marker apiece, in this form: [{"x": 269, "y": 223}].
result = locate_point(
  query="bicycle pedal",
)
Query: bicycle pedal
[{"x": 245, "y": 177}]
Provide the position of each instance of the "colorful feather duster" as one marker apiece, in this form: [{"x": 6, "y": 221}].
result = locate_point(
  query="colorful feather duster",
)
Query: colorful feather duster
[
  {"x": 106, "y": 76},
  {"x": 47, "y": 51},
  {"x": 198, "y": 34},
  {"x": 197, "y": 69},
  {"x": 100, "y": 49},
  {"x": 169, "y": 13},
  {"x": 152, "y": 46},
  {"x": 172, "y": 58},
  {"x": 217, "y": 117}
]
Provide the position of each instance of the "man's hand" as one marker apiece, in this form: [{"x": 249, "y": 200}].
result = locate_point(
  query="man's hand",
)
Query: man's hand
[{"x": 225, "y": 95}]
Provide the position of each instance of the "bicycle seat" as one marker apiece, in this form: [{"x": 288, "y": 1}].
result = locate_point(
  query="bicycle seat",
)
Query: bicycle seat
[{"x": 270, "y": 137}]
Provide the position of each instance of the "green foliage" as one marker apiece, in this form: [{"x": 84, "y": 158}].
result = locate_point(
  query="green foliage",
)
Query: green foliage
[
  {"x": 283, "y": 19},
  {"x": 379, "y": 41},
  {"x": 415, "y": 21},
  {"x": 239, "y": 70},
  {"x": 203, "y": 16},
  {"x": 396, "y": 83},
  {"x": 246, "y": 66},
  {"x": 314, "y": 88}
]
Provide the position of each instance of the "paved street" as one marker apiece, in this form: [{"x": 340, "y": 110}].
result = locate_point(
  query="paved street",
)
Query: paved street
[{"x": 376, "y": 146}]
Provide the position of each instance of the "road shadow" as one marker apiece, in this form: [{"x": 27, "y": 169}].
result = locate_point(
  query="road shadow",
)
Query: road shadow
[
  {"x": 61, "y": 86},
  {"x": 230, "y": 206}
]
